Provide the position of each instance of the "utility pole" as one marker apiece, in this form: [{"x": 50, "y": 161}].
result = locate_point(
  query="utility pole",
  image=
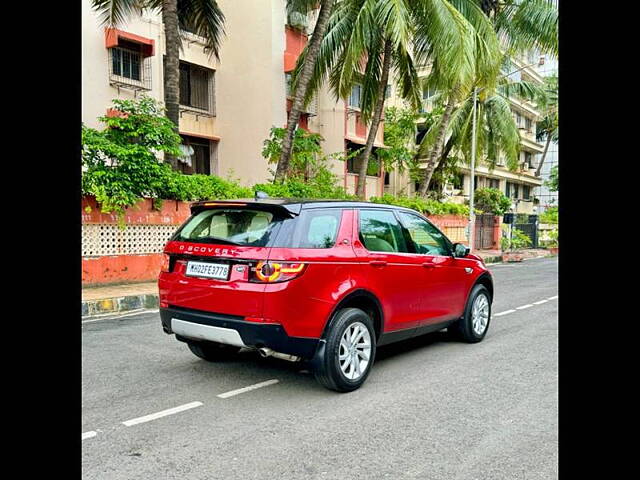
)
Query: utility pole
[{"x": 472, "y": 215}]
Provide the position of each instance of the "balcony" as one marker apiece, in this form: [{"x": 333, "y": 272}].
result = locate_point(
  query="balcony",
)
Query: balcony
[{"x": 357, "y": 131}]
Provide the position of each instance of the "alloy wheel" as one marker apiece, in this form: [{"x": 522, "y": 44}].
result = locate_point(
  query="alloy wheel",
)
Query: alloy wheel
[
  {"x": 355, "y": 350},
  {"x": 480, "y": 314}
]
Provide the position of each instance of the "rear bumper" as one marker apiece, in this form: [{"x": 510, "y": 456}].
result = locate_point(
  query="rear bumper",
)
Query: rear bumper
[{"x": 197, "y": 325}]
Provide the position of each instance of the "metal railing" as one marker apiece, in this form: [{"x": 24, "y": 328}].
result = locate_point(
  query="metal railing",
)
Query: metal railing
[{"x": 129, "y": 69}]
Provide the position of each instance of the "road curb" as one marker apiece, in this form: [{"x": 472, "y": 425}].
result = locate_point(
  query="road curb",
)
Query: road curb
[
  {"x": 119, "y": 304},
  {"x": 498, "y": 259}
]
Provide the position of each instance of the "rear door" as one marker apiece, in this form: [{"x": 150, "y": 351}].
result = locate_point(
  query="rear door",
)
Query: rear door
[
  {"x": 447, "y": 280},
  {"x": 392, "y": 275},
  {"x": 211, "y": 257}
]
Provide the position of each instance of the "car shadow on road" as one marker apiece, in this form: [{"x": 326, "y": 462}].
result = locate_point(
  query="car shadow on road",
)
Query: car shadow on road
[{"x": 411, "y": 345}]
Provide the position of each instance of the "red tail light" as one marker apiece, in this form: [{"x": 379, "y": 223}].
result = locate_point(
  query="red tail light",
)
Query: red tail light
[
  {"x": 164, "y": 266},
  {"x": 271, "y": 272}
]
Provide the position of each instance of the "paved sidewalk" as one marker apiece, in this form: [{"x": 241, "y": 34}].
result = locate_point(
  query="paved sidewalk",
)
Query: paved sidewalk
[{"x": 120, "y": 298}]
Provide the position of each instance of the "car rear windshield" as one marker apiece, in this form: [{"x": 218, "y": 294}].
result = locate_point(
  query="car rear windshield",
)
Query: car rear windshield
[
  {"x": 313, "y": 228},
  {"x": 233, "y": 226}
]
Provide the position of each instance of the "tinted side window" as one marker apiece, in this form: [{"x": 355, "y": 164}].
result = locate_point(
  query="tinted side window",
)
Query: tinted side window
[
  {"x": 426, "y": 238},
  {"x": 313, "y": 228},
  {"x": 380, "y": 231}
]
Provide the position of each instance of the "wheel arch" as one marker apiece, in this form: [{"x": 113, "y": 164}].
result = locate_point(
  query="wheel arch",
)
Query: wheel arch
[
  {"x": 485, "y": 280},
  {"x": 365, "y": 301}
]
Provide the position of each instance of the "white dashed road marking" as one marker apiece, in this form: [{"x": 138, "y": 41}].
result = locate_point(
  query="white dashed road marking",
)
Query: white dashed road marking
[
  {"x": 247, "y": 389},
  {"x": 188, "y": 406},
  {"x": 163, "y": 413}
]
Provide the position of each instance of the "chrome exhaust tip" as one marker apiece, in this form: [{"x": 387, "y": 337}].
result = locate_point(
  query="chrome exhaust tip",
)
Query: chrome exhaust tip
[{"x": 267, "y": 352}]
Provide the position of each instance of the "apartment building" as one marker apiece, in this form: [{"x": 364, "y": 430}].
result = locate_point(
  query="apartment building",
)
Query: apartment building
[
  {"x": 519, "y": 185},
  {"x": 227, "y": 107},
  {"x": 547, "y": 197}
]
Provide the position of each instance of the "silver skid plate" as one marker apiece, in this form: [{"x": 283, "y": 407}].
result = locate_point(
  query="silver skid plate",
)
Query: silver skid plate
[{"x": 206, "y": 332}]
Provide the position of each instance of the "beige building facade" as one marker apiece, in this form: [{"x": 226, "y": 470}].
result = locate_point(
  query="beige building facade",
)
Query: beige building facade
[{"x": 228, "y": 106}]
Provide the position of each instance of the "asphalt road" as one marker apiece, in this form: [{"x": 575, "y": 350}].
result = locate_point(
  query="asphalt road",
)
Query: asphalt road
[{"x": 431, "y": 409}]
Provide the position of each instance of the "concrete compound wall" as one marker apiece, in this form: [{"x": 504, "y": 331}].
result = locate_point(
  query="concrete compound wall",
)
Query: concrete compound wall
[{"x": 112, "y": 254}]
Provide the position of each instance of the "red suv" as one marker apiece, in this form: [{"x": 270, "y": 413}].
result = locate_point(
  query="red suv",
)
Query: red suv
[{"x": 323, "y": 281}]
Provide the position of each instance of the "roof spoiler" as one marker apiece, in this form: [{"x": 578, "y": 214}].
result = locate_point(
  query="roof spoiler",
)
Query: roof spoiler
[{"x": 273, "y": 205}]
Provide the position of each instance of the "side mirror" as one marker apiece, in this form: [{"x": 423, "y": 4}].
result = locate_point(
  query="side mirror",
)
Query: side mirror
[{"x": 460, "y": 250}]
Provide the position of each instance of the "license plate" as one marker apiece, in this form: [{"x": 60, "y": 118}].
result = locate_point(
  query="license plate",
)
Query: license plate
[{"x": 209, "y": 270}]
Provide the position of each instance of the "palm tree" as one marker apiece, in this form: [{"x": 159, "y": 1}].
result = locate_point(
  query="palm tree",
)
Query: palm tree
[
  {"x": 547, "y": 127},
  {"x": 497, "y": 134},
  {"x": 368, "y": 39},
  {"x": 523, "y": 25},
  {"x": 300, "y": 84},
  {"x": 202, "y": 17},
  {"x": 485, "y": 58}
]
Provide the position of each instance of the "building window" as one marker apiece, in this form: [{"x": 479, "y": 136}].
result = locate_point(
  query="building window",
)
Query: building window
[
  {"x": 513, "y": 190},
  {"x": 458, "y": 181},
  {"x": 353, "y": 163},
  {"x": 526, "y": 192},
  {"x": 197, "y": 87},
  {"x": 128, "y": 67},
  {"x": 528, "y": 160},
  {"x": 427, "y": 102},
  {"x": 387, "y": 92},
  {"x": 196, "y": 155},
  {"x": 354, "y": 98},
  {"x": 518, "y": 120},
  {"x": 287, "y": 82},
  {"x": 528, "y": 124},
  {"x": 492, "y": 183}
]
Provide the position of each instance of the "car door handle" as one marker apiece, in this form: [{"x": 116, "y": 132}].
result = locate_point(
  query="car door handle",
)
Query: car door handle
[
  {"x": 428, "y": 265},
  {"x": 377, "y": 263}
]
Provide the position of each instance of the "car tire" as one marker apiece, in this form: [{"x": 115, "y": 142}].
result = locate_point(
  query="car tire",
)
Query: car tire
[
  {"x": 343, "y": 365},
  {"x": 472, "y": 329},
  {"x": 212, "y": 351}
]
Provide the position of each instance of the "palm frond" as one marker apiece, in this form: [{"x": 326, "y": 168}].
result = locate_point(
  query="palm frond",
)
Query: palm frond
[
  {"x": 527, "y": 90},
  {"x": 409, "y": 85},
  {"x": 116, "y": 12},
  {"x": 370, "y": 80},
  {"x": 529, "y": 24},
  {"x": 444, "y": 37},
  {"x": 205, "y": 19}
]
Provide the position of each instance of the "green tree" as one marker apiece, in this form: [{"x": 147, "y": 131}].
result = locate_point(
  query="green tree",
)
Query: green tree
[
  {"x": 202, "y": 17},
  {"x": 300, "y": 83},
  {"x": 304, "y": 153},
  {"x": 120, "y": 163},
  {"x": 552, "y": 183},
  {"x": 368, "y": 39},
  {"x": 492, "y": 200},
  {"x": 399, "y": 137},
  {"x": 522, "y": 25}
]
